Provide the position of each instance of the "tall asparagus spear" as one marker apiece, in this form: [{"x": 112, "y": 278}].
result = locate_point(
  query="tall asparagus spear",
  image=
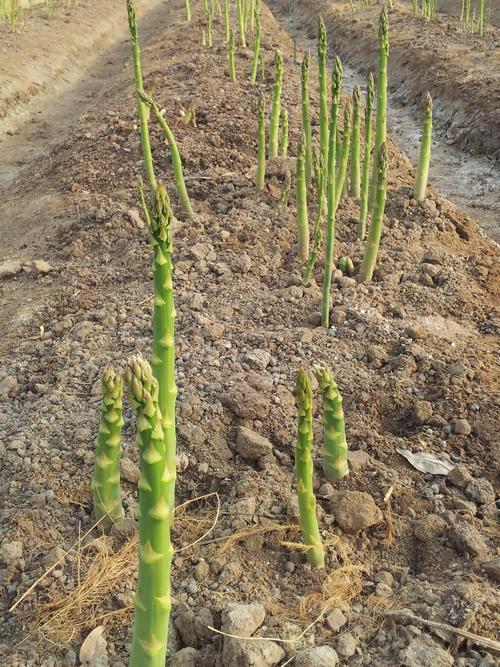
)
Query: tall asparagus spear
[
  {"x": 227, "y": 24},
  {"x": 304, "y": 473},
  {"x": 106, "y": 482},
  {"x": 256, "y": 48},
  {"x": 335, "y": 464},
  {"x": 330, "y": 222},
  {"x": 283, "y": 149},
  {"x": 425, "y": 153},
  {"x": 365, "y": 183},
  {"x": 261, "y": 145},
  {"x": 306, "y": 117},
  {"x": 156, "y": 489},
  {"x": 344, "y": 157},
  {"x": 323, "y": 95},
  {"x": 375, "y": 231},
  {"x": 188, "y": 11},
  {"x": 241, "y": 22},
  {"x": 381, "y": 120},
  {"x": 174, "y": 152},
  {"x": 231, "y": 48},
  {"x": 301, "y": 198},
  {"x": 276, "y": 105},
  {"x": 355, "y": 144},
  {"x": 317, "y": 234}
]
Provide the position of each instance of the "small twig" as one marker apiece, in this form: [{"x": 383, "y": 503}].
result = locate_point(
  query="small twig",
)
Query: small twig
[{"x": 484, "y": 641}]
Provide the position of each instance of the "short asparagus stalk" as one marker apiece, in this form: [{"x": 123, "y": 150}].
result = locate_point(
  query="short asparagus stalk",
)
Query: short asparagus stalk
[
  {"x": 209, "y": 29},
  {"x": 375, "y": 231},
  {"x": 317, "y": 234},
  {"x": 323, "y": 95},
  {"x": 188, "y": 11},
  {"x": 330, "y": 186},
  {"x": 227, "y": 24},
  {"x": 345, "y": 265},
  {"x": 335, "y": 464},
  {"x": 301, "y": 200},
  {"x": 241, "y": 22},
  {"x": 365, "y": 182},
  {"x": 283, "y": 150},
  {"x": 174, "y": 152},
  {"x": 156, "y": 490},
  {"x": 344, "y": 157},
  {"x": 261, "y": 145},
  {"x": 276, "y": 105},
  {"x": 425, "y": 153},
  {"x": 306, "y": 117},
  {"x": 232, "y": 65},
  {"x": 355, "y": 144},
  {"x": 106, "y": 482},
  {"x": 304, "y": 473},
  {"x": 256, "y": 48},
  {"x": 381, "y": 120}
]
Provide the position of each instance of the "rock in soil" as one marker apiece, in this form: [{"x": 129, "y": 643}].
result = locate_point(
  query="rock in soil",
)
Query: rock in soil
[
  {"x": 318, "y": 656},
  {"x": 355, "y": 511},
  {"x": 423, "y": 651}
]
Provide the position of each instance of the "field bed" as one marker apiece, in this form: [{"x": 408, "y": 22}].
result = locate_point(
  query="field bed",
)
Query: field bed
[
  {"x": 459, "y": 70},
  {"x": 413, "y": 353}
]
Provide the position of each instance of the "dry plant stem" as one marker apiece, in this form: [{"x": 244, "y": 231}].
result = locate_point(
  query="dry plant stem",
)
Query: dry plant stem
[
  {"x": 304, "y": 472},
  {"x": 274, "y": 122},
  {"x": 375, "y": 231},
  {"x": 424, "y": 157},
  {"x": 174, "y": 152},
  {"x": 152, "y": 599},
  {"x": 301, "y": 201},
  {"x": 283, "y": 150},
  {"x": 334, "y": 441},
  {"x": 365, "y": 182},
  {"x": 306, "y": 117},
  {"x": 381, "y": 115},
  {"x": 106, "y": 482},
  {"x": 261, "y": 145},
  {"x": 232, "y": 65},
  {"x": 343, "y": 158},
  {"x": 141, "y": 107},
  {"x": 317, "y": 235},
  {"x": 330, "y": 186},
  {"x": 355, "y": 144},
  {"x": 323, "y": 95},
  {"x": 256, "y": 48}
]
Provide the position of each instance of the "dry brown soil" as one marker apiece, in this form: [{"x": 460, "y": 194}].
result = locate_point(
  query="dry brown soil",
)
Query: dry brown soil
[{"x": 413, "y": 353}]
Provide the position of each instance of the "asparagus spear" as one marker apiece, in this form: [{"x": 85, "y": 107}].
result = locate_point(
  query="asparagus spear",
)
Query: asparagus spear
[
  {"x": 355, "y": 145},
  {"x": 425, "y": 153},
  {"x": 323, "y": 96},
  {"x": 363, "y": 207},
  {"x": 276, "y": 105},
  {"x": 301, "y": 196},
  {"x": 375, "y": 231},
  {"x": 306, "y": 117},
  {"x": 261, "y": 145}
]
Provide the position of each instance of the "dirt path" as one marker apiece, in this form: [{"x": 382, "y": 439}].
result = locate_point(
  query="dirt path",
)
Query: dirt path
[{"x": 413, "y": 353}]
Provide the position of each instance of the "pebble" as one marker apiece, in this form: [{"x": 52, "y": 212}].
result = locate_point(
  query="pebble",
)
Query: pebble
[
  {"x": 423, "y": 651},
  {"x": 492, "y": 567},
  {"x": 462, "y": 427},
  {"x": 186, "y": 657},
  {"x": 346, "y": 645},
  {"x": 9, "y": 387},
  {"x": 10, "y": 268},
  {"x": 252, "y": 446},
  {"x": 459, "y": 476},
  {"x": 355, "y": 511},
  {"x": 336, "y": 619},
  {"x": 422, "y": 411},
  {"x": 467, "y": 539},
  {"x": 129, "y": 470},
  {"x": 42, "y": 266},
  {"x": 480, "y": 491},
  {"x": 317, "y": 656}
]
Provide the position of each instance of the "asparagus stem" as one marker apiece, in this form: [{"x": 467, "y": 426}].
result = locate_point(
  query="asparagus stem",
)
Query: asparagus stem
[
  {"x": 355, "y": 144},
  {"x": 306, "y": 117},
  {"x": 227, "y": 24},
  {"x": 323, "y": 96},
  {"x": 363, "y": 207},
  {"x": 276, "y": 105},
  {"x": 304, "y": 473},
  {"x": 331, "y": 208},
  {"x": 381, "y": 121},
  {"x": 256, "y": 48},
  {"x": 425, "y": 153},
  {"x": 375, "y": 231},
  {"x": 283, "y": 150},
  {"x": 232, "y": 66},
  {"x": 317, "y": 235},
  {"x": 241, "y": 22},
  {"x": 188, "y": 11},
  {"x": 106, "y": 482},
  {"x": 343, "y": 158},
  {"x": 156, "y": 491},
  {"x": 301, "y": 199},
  {"x": 335, "y": 464},
  {"x": 141, "y": 108},
  {"x": 174, "y": 152},
  {"x": 261, "y": 145}
]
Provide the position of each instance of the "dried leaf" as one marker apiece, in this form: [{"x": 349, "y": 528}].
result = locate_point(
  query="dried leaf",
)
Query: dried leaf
[
  {"x": 425, "y": 462},
  {"x": 93, "y": 652}
]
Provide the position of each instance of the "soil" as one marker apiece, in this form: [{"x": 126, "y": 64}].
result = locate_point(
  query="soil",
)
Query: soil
[
  {"x": 459, "y": 70},
  {"x": 413, "y": 353}
]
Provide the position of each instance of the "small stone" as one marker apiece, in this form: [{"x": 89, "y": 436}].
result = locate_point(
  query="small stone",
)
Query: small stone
[
  {"x": 338, "y": 317},
  {"x": 219, "y": 447},
  {"x": 345, "y": 281},
  {"x": 416, "y": 331},
  {"x": 255, "y": 653},
  {"x": 257, "y": 359},
  {"x": 384, "y": 577},
  {"x": 423, "y": 651},
  {"x": 10, "y": 268},
  {"x": 201, "y": 571},
  {"x": 135, "y": 218},
  {"x": 318, "y": 656},
  {"x": 124, "y": 529},
  {"x": 129, "y": 471},
  {"x": 492, "y": 567},
  {"x": 55, "y": 555},
  {"x": 429, "y": 527},
  {"x": 459, "y": 476},
  {"x": 203, "y": 251},
  {"x": 184, "y": 624},
  {"x": 358, "y": 459},
  {"x": 11, "y": 551},
  {"x": 230, "y": 573},
  {"x": 42, "y": 266},
  {"x": 9, "y": 387},
  {"x": 246, "y": 402},
  {"x": 252, "y": 446},
  {"x": 243, "y": 619},
  {"x": 422, "y": 411},
  {"x": 467, "y": 539},
  {"x": 355, "y": 511},
  {"x": 336, "y": 619},
  {"x": 377, "y": 353},
  {"x": 480, "y": 491},
  {"x": 462, "y": 427},
  {"x": 186, "y": 657},
  {"x": 346, "y": 645},
  {"x": 383, "y": 590}
]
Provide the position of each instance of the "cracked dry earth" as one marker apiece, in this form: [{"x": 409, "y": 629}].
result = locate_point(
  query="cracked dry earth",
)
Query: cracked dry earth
[{"x": 413, "y": 353}]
